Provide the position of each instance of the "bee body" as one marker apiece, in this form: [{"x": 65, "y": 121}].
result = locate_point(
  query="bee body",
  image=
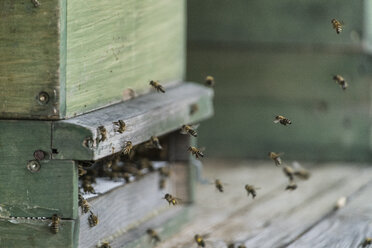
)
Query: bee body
[
  {"x": 337, "y": 25},
  {"x": 196, "y": 152},
  {"x": 209, "y": 81},
  {"x": 128, "y": 148},
  {"x": 187, "y": 129},
  {"x": 54, "y": 227},
  {"x": 154, "y": 143},
  {"x": 87, "y": 187},
  {"x": 292, "y": 186},
  {"x": 85, "y": 207},
  {"x": 367, "y": 242},
  {"x": 92, "y": 219},
  {"x": 218, "y": 185},
  {"x": 199, "y": 240},
  {"x": 289, "y": 172},
  {"x": 171, "y": 199},
  {"x": 158, "y": 87},
  {"x": 121, "y": 126},
  {"x": 341, "y": 81},
  {"x": 194, "y": 108},
  {"x": 276, "y": 157},
  {"x": 105, "y": 245},
  {"x": 251, "y": 190},
  {"x": 102, "y": 133},
  {"x": 282, "y": 120},
  {"x": 81, "y": 170},
  {"x": 153, "y": 236}
]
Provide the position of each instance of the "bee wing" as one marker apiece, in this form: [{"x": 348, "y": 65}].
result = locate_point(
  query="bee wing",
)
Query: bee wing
[
  {"x": 202, "y": 149},
  {"x": 195, "y": 126},
  {"x": 183, "y": 131},
  {"x": 256, "y": 188},
  {"x": 276, "y": 121}
]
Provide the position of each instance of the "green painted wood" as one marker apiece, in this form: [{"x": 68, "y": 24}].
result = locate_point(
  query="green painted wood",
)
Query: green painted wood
[
  {"x": 152, "y": 114},
  {"x": 35, "y": 233},
  {"x": 289, "y": 21},
  {"x": 86, "y": 56},
  {"x": 24, "y": 194},
  {"x": 257, "y": 85},
  {"x": 29, "y": 59}
]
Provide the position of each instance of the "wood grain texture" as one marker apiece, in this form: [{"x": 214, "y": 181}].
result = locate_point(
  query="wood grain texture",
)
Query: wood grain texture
[
  {"x": 346, "y": 228},
  {"x": 24, "y": 194},
  {"x": 121, "y": 45},
  {"x": 33, "y": 233},
  {"x": 268, "y": 21},
  {"x": 29, "y": 59},
  {"x": 126, "y": 208},
  {"x": 297, "y": 84},
  {"x": 153, "y": 114}
]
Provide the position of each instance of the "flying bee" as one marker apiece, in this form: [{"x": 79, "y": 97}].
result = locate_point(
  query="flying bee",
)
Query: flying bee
[
  {"x": 171, "y": 199},
  {"x": 341, "y": 81},
  {"x": 158, "y": 87},
  {"x": 87, "y": 187},
  {"x": 81, "y": 170},
  {"x": 162, "y": 183},
  {"x": 292, "y": 186},
  {"x": 154, "y": 237},
  {"x": 289, "y": 172},
  {"x": 251, "y": 190},
  {"x": 218, "y": 185},
  {"x": 121, "y": 126},
  {"x": 187, "y": 129},
  {"x": 366, "y": 242},
  {"x": 196, "y": 152},
  {"x": 154, "y": 143},
  {"x": 276, "y": 157},
  {"x": 36, "y": 3},
  {"x": 54, "y": 226},
  {"x": 282, "y": 120},
  {"x": 92, "y": 219},
  {"x": 194, "y": 108},
  {"x": 209, "y": 81},
  {"x": 85, "y": 207},
  {"x": 102, "y": 133},
  {"x": 105, "y": 245},
  {"x": 337, "y": 25},
  {"x": 128, "y": 148},
  {"x": 199, "y": 240}
]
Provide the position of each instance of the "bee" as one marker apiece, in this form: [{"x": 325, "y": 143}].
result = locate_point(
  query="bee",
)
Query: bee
[
  {"x": 366, "y": 242},
  {"x": 187, "y": 129},
  {"x": 126, "y": 177},
  {"x": 36, "y": 3},
  {"x": 162, "y": 183},
  {"x": 85, "y": 207},
  {"x": 289, "y": 172},
  {"x": 276, "y": 157},
  {"x": 337, "y": 25},
  {"x": 102, "y": 133},
  {"x": 196, "y": 152},
  {"x": 292, "y": 186},
  {"x": 341, "y": 81},
  {"x": 218, "y": 185},
  {"x": 54, "y": 226},
  {"x": 154, "y": 237},
  {"x": 154, "y": 143},
  {"x": 282, "y": 120},
  {"x": 81, "y": 170},
  {"x": 158, "y": 87},
  {"x": 92, "y": 219},
  {"x": 251, "y": 190},
  {"x": 171, "y": 199},
  {"x": 302, "y": 174},
  {"x": 209, "y": 81},
  {"x": 105, "y": 245},
  {"x": 121, "y": 126},
  {"x": 194, "y": 108},
  {"x": 87, "y": 187},
  {"x": 128, "y": 148},
  {"x": 199, "y": 240}
]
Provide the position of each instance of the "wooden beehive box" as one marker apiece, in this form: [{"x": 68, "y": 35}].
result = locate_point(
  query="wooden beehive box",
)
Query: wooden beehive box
[{"x": 64, "y": 58}]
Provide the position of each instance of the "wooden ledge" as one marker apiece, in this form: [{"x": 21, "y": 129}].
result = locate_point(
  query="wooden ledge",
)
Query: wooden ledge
[{"x": 152, "y": 114}]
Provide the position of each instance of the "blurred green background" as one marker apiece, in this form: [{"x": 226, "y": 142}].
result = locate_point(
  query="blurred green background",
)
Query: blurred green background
[{"x": 279, "y": 57}]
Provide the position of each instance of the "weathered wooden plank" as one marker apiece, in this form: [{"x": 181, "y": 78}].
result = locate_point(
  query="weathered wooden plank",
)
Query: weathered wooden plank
[
  {"x": 129, "y": 206},
  {"x": 153, "y": 114},
  {"x": 268, "y": 21},
  {"x": 51, "y": 190},
  {"x": 29, "y": 59},
  {"x": 347, "y": 227},
  {"x": 276, "y": 218},
  {"x": 264, "y": 84},
  {"x": 33, "y": 233},
  {"x": 120, "y": 46}
]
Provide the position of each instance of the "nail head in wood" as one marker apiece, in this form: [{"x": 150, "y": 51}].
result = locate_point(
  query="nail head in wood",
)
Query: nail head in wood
[{"x": 33, "y": 166}]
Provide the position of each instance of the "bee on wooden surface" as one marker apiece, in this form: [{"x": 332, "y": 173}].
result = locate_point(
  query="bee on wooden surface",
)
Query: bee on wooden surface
[
  {"x": 209, "y": 81},
  {"x": 154, "y": 143},
  {"x": 36, "y": 3},
  {"x": 105, "y": 245},
  {"x": 171, "y": 199},
  {"x": 218, "y": 185},
  {"x": 292, "y": 186},
  {"x": 87, "y": 187},
  {"x": 188, "y": 129},
  {"x": 289, "y": 172},
  {"x": 54, "y": 226},
  {"x": 196, "y": 152},
  {"x": 154, "y": 237},
  {"x": 92, "y": 219},
  {"x": 128, "y": 148},
  {"x": 300, "y": 172},
  {"x": 158, "y": 87},
  {"x": 162, "y": 183},
  {"x": 194, "y": 108},
  {"x": 121, "y": 126},
  {"x": 282, "y": 120},
  {"x": 341, "y": 81},
  {"x": 337, "y": 25},
  {"x": 102, "y": 134},
  {"x": 366, "y": 242},
  {"x": 81, "y": 170},
  {"x": 251, "y": 190},
  {"x": 199, "y": 240},
  {"x": 85, "y": 207},
  {"x": 276, "y": 157}
]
